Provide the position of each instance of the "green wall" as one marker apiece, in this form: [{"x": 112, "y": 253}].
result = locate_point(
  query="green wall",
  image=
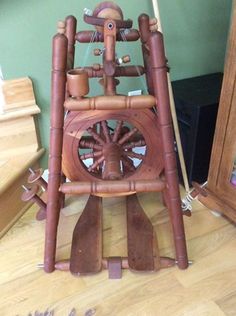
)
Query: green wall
[{"x": 195, "y": 36}]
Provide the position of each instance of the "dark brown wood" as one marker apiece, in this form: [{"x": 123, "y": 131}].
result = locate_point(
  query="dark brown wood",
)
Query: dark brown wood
[
  {"x": 125, "y": 24},
  {"x": 77, "y": 82},
  {"x": 144, "y": 36},
  {"x": 97, "y": 145},
  {"x": 88, "y": 36},
  {"x": 58, "y": 90},
  {"x": 140, "y": 237},
  {"x": 108, "y": 9},
  {"x": 86, "y": 249},
  {"x": 30, "y": 194},
  {"x": 77, "y": 124},
  {"x": 165, "y": 262},
  {"x": 71, "y": 23},
  {"x": 120, "y": 71},
  {"x": 159, "y": 75}
]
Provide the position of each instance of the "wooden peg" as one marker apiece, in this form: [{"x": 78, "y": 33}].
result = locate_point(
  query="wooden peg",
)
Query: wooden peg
[
  {"x": 30, "y": 194},
  {"x": 36, "y": 177},
  {"x": 152, "y": 21},
  {"x": 61, "y": 27},
  {"x": 123, "y": 60},
  {"x": 97, "y": 52},
  {"x": 153, "y": 26},
  {"x": 96, "y": 67}
]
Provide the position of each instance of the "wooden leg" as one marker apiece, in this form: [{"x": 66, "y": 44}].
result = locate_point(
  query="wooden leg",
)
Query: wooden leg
[
  {"x": 55, "y": 154},
  {"x": 159, "y": 75}
]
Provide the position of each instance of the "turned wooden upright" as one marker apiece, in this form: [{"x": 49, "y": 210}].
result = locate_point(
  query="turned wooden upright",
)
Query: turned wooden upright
[{"x": 139, "y": 121}]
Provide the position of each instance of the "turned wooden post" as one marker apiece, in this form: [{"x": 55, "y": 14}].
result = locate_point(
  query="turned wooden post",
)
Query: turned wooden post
[
  {"x": 144, "y": 28},
  {"x": 70, "y": 31},
  {"x": 109, "y": 64},
  {"x": 159, "y": 75},
  {"x": 58, "y": 89},
  {"x": 71, "y": 23}
]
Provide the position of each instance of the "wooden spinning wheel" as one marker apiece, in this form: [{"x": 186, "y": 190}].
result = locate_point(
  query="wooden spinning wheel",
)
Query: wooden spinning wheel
[
  {"x": 97, "y": 145},
  {"x": 111, "y": 150}
]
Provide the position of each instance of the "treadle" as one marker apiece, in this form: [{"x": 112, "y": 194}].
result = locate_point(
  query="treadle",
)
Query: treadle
[
  {"x": 86, "y": 249},
  {"x": 142, "y": 243}
]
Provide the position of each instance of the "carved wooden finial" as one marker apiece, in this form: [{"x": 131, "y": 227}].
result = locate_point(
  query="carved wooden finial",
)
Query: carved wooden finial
[{"x": 61, "y": 27}]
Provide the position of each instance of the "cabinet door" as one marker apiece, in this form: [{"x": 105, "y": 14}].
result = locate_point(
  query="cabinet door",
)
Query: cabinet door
[
  {"x": 227, "y": 171},
  {"x": 224, "y": 145}
]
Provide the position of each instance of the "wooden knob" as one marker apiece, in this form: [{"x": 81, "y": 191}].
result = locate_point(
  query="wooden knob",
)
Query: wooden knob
[
  {"x": 200, "y": 189},
  {"x": 35, "y": 175},
  {"x": 153, "y": 26},
  {"x": 96, "y": 66},
  {"x": 123, "y": 60},
  {"x": 153, "y": 21},
  {"x": 97, "y": 52},
  {"x": 126, "y": 59},
  {"x": 29, "y": 193},
  {"x": 61, "y": 27}
]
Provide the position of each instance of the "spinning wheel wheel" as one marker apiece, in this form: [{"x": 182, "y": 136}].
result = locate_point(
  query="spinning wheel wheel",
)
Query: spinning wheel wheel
[{"x": 104, "y": 146}]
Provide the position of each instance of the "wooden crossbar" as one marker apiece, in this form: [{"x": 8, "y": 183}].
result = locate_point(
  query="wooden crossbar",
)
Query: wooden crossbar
[
  {"x": 110, "y": 186},
  {"x": 115, "y": 102}
]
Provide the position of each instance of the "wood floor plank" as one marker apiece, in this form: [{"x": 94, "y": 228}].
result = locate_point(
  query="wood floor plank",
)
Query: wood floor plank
[
  {"x": 228, "y": 304},
  {"x": 208, "y": 287}
]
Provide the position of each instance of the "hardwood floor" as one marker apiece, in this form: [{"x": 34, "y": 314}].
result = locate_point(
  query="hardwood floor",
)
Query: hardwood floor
[{"x": 207, "y": 288}]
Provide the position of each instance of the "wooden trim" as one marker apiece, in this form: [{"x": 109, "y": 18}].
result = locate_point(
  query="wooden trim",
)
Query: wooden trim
[
  {"x": 212, "y": 202},
  {"x": 224, "y": 108},
  {"x": 21, "y": 112},
  {"x": 34, "y": 157}
]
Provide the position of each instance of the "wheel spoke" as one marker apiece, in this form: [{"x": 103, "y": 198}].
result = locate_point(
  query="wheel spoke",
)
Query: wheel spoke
[
  {"x": 94, "y": 154},
  {"x": 128, "y": 163},
  {"x": 106, "y": 131},
  {"x": 96, "y": 136},
  {"x": 96, "y": 164},
  {"x": 133, "y": 155},
  {"x": 89, "y": 144},
  {"x": 131, "y": 145},
  {"x": 127, "y": 136},
  {"x": 117, "y": 131}
]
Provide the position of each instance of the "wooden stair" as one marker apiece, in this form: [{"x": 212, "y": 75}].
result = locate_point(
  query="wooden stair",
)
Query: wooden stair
[{"x": 20, "y": 147}]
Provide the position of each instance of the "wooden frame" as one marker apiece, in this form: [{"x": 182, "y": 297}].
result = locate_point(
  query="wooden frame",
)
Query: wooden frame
[{"x": 109, "y": 149}]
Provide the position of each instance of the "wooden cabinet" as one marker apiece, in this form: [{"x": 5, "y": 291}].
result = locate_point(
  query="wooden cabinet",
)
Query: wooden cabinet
[{"x": 221, "y": 187}]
